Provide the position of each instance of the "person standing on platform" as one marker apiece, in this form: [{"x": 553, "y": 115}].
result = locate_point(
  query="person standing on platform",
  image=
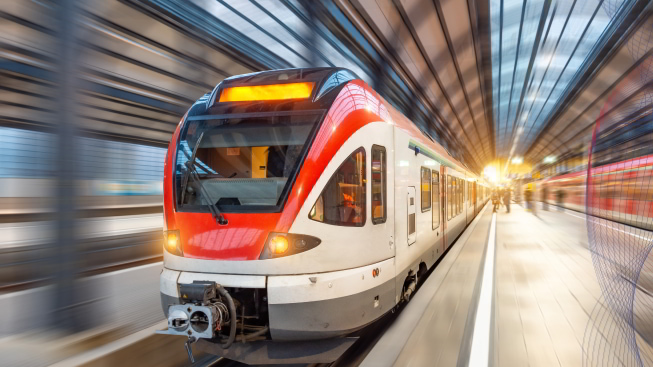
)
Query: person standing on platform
[
  {"x": 560, "y": 196},
  {"x": 528, "y": 195},
  {"x": 545, "y": 195},
  {"x": 506, "y": 199},
  {"x": 495, "y": 201}
]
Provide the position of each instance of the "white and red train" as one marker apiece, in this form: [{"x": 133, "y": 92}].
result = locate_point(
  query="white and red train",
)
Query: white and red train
[{"x": 300, "y": 206}]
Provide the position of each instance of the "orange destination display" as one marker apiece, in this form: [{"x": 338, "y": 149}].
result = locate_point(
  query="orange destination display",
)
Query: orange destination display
[{"x": 269, "y": 92}]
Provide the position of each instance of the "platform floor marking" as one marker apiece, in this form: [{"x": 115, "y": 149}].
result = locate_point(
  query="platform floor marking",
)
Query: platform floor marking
[{"x": 480, "y": 351}]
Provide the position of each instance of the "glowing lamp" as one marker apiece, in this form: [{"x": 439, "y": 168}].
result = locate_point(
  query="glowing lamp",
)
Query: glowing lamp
[
  {"x": 278, "y": 245},
  {"x": 549, "y": 159},
  {"x": 172, "y": 242},
  {"x": 271, "y": 92}
]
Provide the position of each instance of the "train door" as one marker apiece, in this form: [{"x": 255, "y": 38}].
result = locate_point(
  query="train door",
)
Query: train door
[
  {"x": 382, "y": 194},
  {"x": 436, "y": 208},
  {"x": 411, "y": 215}
]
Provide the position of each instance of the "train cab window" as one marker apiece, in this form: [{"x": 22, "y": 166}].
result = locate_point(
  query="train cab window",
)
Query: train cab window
[
  {"x": 342, "y": 201},
  {"x": 435, "y": 198},
  {"x": 449, "y": 198},
  {"x": 425, "y": 184},
  {"x": 379, "y": 185}
]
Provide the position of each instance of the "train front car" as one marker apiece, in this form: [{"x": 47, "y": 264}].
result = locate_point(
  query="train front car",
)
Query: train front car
[{"x": 268, "y": 237}]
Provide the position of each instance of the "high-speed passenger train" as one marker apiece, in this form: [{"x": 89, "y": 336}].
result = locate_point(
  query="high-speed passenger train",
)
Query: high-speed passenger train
[{"x": 299, "y": 207}]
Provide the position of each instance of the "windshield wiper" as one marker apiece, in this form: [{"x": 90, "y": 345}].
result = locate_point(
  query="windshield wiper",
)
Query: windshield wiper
[{"x": 191, "y": 172}]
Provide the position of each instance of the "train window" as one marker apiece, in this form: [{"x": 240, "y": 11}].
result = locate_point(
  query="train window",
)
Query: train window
[
  {"x": 458, "y": 189},
  {"x": 241, "y": 164},
  {"x": 379, "y": 185},
  {"x": 435, "y": 198},
  {"x": 342, "y": 201},
  {"x": 462, "y": 194},
  {"x": 455, "y": 193},
  {"x": 425, "y": 185},
  {"x": 463, "y": 188},
  {"x": 466, "y": 192},
  {"x": 455, "y": 197},
  {"x": 449, "y": 198},
  {"x": 457, "y": 186}
]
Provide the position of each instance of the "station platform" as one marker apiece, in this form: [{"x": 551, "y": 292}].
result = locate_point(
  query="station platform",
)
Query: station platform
[{"x": 543, "y": 295}]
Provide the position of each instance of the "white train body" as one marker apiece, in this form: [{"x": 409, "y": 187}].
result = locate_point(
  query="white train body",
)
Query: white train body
[{"x": 415, "y": 206}]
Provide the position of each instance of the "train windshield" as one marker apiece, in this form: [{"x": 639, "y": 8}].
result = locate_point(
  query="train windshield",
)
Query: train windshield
[{"x": 241, "y": 164}]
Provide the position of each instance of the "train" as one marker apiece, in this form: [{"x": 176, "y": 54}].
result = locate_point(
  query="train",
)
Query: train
[
  {"x": 300, "y": 207},
  {"x": 621, "y": 169}
]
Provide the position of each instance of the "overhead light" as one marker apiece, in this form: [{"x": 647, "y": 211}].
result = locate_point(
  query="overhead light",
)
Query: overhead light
[
  {"x": 490, "y": 173},
  {"x": 549, "y": 159},
  {"x": 517, "y": 160}
]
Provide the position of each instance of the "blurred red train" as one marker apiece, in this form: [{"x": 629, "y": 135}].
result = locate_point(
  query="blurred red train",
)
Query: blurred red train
[{"x": 622, "y": 177}]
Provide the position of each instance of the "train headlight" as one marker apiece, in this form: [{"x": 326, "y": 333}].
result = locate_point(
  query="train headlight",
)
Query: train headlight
[
  {"x": 172, "y": 242},
  {"x": 285, "y": 244},
  {"x": 278, "y": 245}
]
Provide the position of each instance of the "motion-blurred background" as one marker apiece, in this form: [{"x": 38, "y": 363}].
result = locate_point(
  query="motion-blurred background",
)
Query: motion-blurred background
[{"x": 91, "y": 91}]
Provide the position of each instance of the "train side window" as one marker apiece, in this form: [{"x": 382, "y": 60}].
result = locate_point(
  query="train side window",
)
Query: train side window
[
  {"x": 425, "y": 185},
  {"x": 457, "y": 201},
  {"x": 460, "y": 192},
  {"x": 460, "y": 196},
  {"x": 449, "y": 198},
  {"x": 379, "y": 185},
  {"x": 342, "y": 202},
  {"x": 456, "y": 198},
  {"x": 435, "y": 198}
]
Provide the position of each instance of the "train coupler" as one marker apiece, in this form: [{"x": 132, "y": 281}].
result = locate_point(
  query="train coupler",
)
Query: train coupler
[{"x": 206, "y": 308}]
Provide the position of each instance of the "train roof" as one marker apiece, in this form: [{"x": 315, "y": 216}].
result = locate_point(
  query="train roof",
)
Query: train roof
[{"x": 285, "y": 76}]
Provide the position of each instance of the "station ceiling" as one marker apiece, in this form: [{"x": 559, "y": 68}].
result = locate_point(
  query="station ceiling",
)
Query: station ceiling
[
  {"x": 438, "y": 44},
  {"x": 538, "y": 49},
  {"x": 485, "y": 78},
  {"x": 518, "y": 78}
]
